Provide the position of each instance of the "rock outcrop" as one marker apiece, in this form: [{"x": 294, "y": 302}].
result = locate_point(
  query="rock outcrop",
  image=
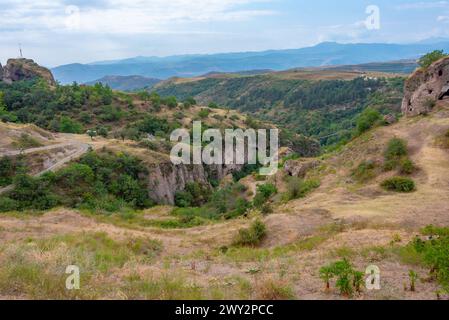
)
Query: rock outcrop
[
  {"x": 299, "y": 168},
  {"x": 166, "y": 178},
  {"x": 425, "y": 87},
  {"x": 24, "y": 69}
]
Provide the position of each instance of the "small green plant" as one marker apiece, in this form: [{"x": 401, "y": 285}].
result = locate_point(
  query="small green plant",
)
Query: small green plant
[
  {"x": 326, "y": 274},
  {"x": 399, "y": 184},
  {"x": 413, "y": 276},
  {"x": 396, "y": 149},
  {"x": 407, "y": 166},
  {"x": 264, "y": 192},
  {"x": 251, "y": 236},
  {"x": 204, "y": 113},
  {"x": 348, "y": 279}
]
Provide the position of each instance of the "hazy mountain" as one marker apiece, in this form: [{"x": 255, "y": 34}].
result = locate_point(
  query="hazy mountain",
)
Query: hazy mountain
[
  {"x": 324, "y": 54},
  {"x": 126, "y": 83}
]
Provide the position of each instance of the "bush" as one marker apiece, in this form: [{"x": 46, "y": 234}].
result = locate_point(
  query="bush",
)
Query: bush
[
  {"x": 204, "y": 113},
  {"x": 426, "y": 60},
  {"x": 407, "y": 166},
  {"x": 252, "y": 236},
  {"x": 7, "y": 204},
  {"x": 68, "y": 125},
  {"x": 348, "y": 279},
  {"x": 194, "y": 195},
  {"x": 399, "y": 184},
  {"x": 171, "y": 102},
  {"x": 396, "y": 148},
  {"x": 365, "y": 171},
  {"x": 367, "y": 119},
  {"x": 264, "y": 192},
  {"x": 298, "y": 188},
  {"x": 433, "y": 253},
  {"x": 26, "y": 141}
]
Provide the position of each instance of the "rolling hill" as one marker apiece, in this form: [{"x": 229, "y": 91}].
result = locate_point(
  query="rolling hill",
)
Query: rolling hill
[
  {"x": 126, "y": 83},
  {"x": 324, "y": 54}
]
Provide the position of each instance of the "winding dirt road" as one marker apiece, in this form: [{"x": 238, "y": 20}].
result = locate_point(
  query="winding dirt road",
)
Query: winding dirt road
[{"x": 79, "y": 150}]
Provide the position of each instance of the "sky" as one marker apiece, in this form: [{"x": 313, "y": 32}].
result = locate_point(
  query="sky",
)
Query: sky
[{"x": 56, "y": 32}]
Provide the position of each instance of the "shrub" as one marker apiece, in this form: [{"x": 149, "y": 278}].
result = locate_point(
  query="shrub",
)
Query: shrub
[
  {"x": 396, "y": 149},
  {"x": 365, "y": 171},
  {"x": 264, "y": 192},
  {"x": 183, "y": 199},
  {"x": 171, "y": 102},
  {"x": 298, "y": 188},
  {"x": 26, "y": 141},
  {"x": 426, "y": 60},
  {"x": 433, "y": 253},
  {"x": 274, "y": 289},
  {"x": 407, "y": 166},
  {"x": 7, "y": 204},
  {"x": 252, "y": 236},
  {"x": 190, "y": 100},
  {"x": 399, "y": 184},
  {"x": 348, "y": 279},
  {"x": 204, "y": 113},
  {"x": 68, "y": 125},
  {"x": 367, "y": 119}
]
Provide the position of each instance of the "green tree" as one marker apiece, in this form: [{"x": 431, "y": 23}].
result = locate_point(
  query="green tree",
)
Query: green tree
[
  {"x": 92, "y": 134},
  {"x": 426, "y": 60},
  {"x": 68, "y": 125}
]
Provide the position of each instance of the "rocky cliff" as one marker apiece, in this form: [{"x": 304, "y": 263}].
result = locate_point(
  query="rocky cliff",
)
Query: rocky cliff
[
  {"x": 424, "y": 87},
  {"x": 165, "y": 179},
  {"x": 24, "y": 69}
]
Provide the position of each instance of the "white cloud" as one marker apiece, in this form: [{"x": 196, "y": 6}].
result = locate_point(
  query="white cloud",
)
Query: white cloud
[
  {"x": 424, "y": 5},
  {"x": 120, "y": 16}
]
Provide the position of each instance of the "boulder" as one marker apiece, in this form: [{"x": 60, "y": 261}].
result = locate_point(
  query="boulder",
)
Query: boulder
[
  {"x": 25, "y": 69},
  {"x": 390, "y": 119},
  {"x": 425, "y": 87},
  {"x": 299, "y": 168}
]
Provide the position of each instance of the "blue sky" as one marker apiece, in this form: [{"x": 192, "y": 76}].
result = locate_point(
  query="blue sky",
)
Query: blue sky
[{"x": 55, "y": 32}]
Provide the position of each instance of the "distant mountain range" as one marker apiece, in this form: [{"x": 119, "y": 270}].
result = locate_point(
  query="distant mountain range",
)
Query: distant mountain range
[
  {"x": 126, "y": 83},
  {"x": 324, "y": 54}
]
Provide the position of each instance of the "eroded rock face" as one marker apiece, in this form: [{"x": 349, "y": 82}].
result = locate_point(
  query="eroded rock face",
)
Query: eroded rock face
[
  {"x": 25, "y": 69},
  {"x": 1, "y": 72},
  {"x": 166, "y": 178},
  {"x": 424, "y": 87}
]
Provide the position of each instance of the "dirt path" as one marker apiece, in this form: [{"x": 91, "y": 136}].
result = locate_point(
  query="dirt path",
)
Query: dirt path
[{"x": 79, "y": 150}]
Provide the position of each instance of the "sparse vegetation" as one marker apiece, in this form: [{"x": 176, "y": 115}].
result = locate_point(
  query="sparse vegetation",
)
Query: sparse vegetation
[
  {"x": 100, "y": 182},
  {"x": 348, "y": 280},
  {"x": 251, "y": 236},
  {"x": 432, "y": 253},
  {"x": 399, "y": 184},
  {"x": 365, "y": 171},
  {"x": 299, "y": 188},
  {"x": 264, "y": 192},
  {"x": 368, "y": 119},
  {"x": 426, "y": 60}
]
